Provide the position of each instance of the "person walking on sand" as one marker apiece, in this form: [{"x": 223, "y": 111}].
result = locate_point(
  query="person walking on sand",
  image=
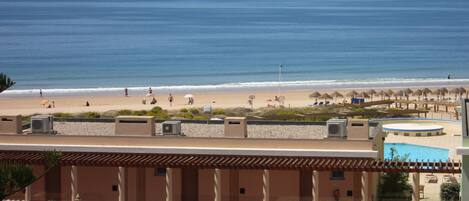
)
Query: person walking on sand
[
  {"x": 40, "y": 92},
  {"x": 150, "y": 91},
  {"x": 170, "y": 99},
  {"x": 126, "y": 92}
]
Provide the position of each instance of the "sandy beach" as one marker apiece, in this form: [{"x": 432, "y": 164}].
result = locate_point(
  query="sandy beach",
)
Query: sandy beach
[{"x": 76, "y": 104}]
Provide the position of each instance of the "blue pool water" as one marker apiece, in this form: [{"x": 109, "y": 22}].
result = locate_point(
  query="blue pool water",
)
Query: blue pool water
[{"x": 416, "y": 152}]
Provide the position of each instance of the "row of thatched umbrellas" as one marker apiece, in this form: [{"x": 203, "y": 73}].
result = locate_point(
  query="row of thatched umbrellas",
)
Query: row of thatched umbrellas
[{"x": 440, "y": 92}]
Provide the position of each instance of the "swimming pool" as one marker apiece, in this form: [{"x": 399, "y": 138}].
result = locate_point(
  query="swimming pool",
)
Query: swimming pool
[{"x": 416, "y": 152}]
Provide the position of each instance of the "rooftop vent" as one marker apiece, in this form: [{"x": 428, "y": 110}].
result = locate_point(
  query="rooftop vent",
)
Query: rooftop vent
[
  {"x": 42, "y": 124},
  {"x": 10, "y": 124},
  {"x": 337, "y": 128},
  {"x": 135, "y": 126},
  {"x": 236, "y": 127},
  {"x": 171, "y": 128}
]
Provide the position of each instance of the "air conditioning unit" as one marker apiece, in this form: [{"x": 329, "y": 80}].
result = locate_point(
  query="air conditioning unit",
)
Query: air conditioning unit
[
  {"x": 42, "y": 124},
  {"x": 337, "y": 128},
  {"x": 171, "y": 128}
]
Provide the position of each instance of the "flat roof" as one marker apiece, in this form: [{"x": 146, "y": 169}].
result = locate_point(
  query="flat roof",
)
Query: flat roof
[
  {"x": 411, "y": 127},
  {"x": 190, "y": 145}
]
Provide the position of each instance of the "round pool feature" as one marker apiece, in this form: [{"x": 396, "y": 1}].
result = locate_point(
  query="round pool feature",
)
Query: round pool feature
[
  {"x": 415, "y": 130},
  {"x": 416, "y": 152}
]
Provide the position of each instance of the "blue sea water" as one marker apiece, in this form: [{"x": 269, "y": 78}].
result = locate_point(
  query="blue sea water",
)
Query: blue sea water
[
  {"x": 416, "y": 152},
  {"x": 109, "y": 44}
]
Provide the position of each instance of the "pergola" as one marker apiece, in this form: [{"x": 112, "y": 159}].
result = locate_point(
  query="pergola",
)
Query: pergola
[{"x": 233, "y": 162}]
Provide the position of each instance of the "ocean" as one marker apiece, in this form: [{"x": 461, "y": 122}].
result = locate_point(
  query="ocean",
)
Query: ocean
[{"x": 99, "y": 46}]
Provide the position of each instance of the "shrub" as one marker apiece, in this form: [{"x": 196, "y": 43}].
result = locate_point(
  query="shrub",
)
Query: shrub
[
  {"x": 91, "y": 115},
  {"x": 394, "y": 185},
  {"x": 139, "y": 112},
  {"x": 194, "y": 111},
  {"x": 449, "y": 191},
  {"x": 62, "y": 115},
  {"x": 183, "y": 110},
  {"x": 185, "y": 115},
  {"x": 200, "y": 117},
  {"x": 156, "y": 109},
  {"x": 124, "y": 112},
  {"x": 218, "y": 111}
]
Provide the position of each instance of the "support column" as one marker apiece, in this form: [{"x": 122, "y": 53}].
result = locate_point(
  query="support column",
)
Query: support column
[
  {"x": 169, "y": 184},
  {"x": 266, "y": 185},
  {"x": 315, "y": 190},
  {"x": 217, "y": 184},
  {"x": 365, "y": 187},
  {"x": 74, "y": 182},
  {"x": 27, "y": 193},
  {"x": 121, "y": 185},
  {"x": 416, "y": 186}
]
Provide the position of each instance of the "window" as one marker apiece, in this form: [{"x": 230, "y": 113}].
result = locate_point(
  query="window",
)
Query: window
[
  {"x": 337, "y": 175},
  {"x": 114, "y": 188},
  {"x": 160, "y": 171},
  {"x": 242, "y": 191}
]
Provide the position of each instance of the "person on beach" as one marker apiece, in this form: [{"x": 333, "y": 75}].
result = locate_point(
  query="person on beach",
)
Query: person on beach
[
  {"x": 170, "y": 99},
  {"x": 150, "y": 91},
  {"x": 40, "y": 92},
  {"x": 153, "y": 101},
  {"x": 126, "y": 92},
  {"x": 87, "y": 104},
  {"x": 449, "y": 76},
  {"x": 53, "y": 104}
]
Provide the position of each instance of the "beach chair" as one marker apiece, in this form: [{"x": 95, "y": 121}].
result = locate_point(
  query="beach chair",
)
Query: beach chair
[
  {"x": 315, "y": 103},
  {"x": 321, "y": 103},
  {"x": 430, "y": 178}
]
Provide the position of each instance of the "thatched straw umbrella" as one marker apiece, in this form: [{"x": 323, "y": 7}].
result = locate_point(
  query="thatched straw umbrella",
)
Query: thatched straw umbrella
[
  {"x": 381, "y": 94},
  {"x": 352, "y": 94},
  {"x": 390, "y": 92},
  {"x": 418, "y": 93},
  {"x": 399, "y": 94},
  {"x": 444, "y": 91},
  {"x": 336, "y": 95},
  {"x": 456, "y": 92},
  {"x": 462, "y": 91},
  {"x": 371, "y": 92},
  {"x": 408, "y": 92},
  {"x": 326, "y": 96},
  {"x": 426, "y": 91},
  {"x": 315, "y": 95},
  {"x": 364, "y": 95}
]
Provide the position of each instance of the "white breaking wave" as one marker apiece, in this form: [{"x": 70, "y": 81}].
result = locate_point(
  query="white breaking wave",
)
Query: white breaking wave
[{"x": 308, "y": 84}]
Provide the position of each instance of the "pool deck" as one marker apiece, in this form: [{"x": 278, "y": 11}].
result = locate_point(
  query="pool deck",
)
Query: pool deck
[{"x": 450, "y": 141}]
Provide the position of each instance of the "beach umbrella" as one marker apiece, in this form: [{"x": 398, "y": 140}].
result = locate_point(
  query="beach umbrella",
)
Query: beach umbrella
[
  {"x": 315, "y": 95},
  {"x": 352, "y": 94},
  {"x": 364, "y": 95},
  {"x": 326, "y": 96},
  {"x": 252, "y": 97},
  {"x": 381, "y": 93},
  {"x": 399, "y": 94},
  {"x": 462, "y": 91},
  {"x": 337, "y": 94},
  {"x": 455, "y": 91},
  {"x": 418, "y": 93},
  {"x": 371, "y": 92},
  {"x": 188, "y": 96},
  {"x": 443, "y": 92},
  {"x": 426, "y": 91},
  {"x": 44, "y": 102},
  {"x": 390, "y": 92}
]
